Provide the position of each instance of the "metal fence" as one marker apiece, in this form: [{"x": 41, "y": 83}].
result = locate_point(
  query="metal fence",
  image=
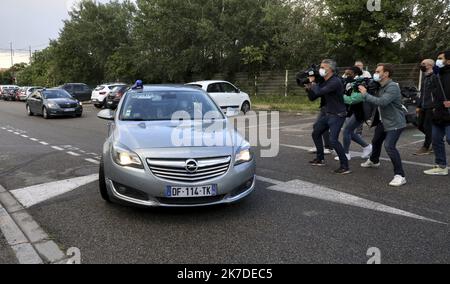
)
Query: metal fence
[{"x": 282, "y": 83}]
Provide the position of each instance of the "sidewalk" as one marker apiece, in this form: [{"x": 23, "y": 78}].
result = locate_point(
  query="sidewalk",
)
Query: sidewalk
[{"x": 6, "y": 253}]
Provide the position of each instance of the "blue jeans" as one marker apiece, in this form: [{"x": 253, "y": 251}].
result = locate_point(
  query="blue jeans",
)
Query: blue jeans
[
  {"x": 390, "y": 140},
  {"x": 332, "y": 123},
  {"x": 350, "y": 134},
  {"x": 439, "y": 133}
]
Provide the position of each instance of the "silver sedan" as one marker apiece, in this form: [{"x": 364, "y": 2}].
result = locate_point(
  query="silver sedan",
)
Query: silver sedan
[{"x": 171, "y": 146}]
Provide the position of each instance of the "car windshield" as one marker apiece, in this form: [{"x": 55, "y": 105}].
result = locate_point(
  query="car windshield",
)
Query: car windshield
[
  {"x": 56, "y": 94},
  {"x": 168, "y": 105}
]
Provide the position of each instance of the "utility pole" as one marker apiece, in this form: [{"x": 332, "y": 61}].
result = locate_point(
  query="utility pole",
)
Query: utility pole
[
  {"x": 12, "y": 54},
  {"x": 30, "y": 54}
]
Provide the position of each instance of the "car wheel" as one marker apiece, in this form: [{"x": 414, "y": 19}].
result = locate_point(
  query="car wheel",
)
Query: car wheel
[
  {"x": 102, "y": 183},
  {"x": 245, "y": 107},
  {"x": 30, "y": 113},
  {"x": 45, "y": 113}
]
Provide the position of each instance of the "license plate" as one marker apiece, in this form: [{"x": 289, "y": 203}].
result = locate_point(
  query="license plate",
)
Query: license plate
[
  {"x": 191, "y": 192},
  {"x": 69, "y": 109}
]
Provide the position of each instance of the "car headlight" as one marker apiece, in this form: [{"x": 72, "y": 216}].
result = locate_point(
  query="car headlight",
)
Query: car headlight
[
  {"x": 126, "y": 158},
  {"x": 80, "y": 103},
  {"x": 52, "y": 105},
  {"x": 244, "y": 155}
]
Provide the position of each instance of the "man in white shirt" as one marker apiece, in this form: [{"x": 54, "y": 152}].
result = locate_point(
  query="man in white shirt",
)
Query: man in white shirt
[{"x": 360, "y": 65}]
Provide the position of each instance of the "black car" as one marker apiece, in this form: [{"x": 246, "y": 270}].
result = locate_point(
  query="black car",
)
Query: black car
[
  {"x": 79, "y": 91},
  {"x": 113, "y": 99},
  {"x": 53, "y": 102},
  {"x": 410, "y": 96}
]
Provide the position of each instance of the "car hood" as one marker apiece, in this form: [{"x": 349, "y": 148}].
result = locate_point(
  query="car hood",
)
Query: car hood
[{"x": 149, "y": 138}]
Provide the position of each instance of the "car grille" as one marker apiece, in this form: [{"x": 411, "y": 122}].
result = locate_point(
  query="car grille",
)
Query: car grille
[
  {"x": 70, "y": 105},
  {"x": 176, "y": 169}
]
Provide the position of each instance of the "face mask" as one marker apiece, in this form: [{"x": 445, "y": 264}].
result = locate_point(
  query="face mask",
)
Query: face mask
[
  {"x": 323, "y": 72},
  {"x": 377, "y": 77},
  {"x": 440, "y": 63}
]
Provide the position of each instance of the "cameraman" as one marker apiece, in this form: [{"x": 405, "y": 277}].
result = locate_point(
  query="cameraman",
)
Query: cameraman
[
  {"x": 332, "y": 90},
  {"x": 390, "y": 121}
]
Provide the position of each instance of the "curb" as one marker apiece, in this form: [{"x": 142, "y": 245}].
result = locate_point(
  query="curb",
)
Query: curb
[{"x": 29, "y": 242}]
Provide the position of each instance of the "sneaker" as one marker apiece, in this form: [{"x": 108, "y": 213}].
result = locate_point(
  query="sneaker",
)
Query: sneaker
[
  {"x": 367, "y": 152},
  {"x": 317, "y": 163},
  {"x": 422, "y": 152},
  {"x": 398, "y": 181},
  {"x": 437, "y": 171},
  {"x": 312, "y": 150},
  {"x": 370, "y": 164},
  {"x": 343, "y": 171},
  {"x": 349, "y": 157},
  {"x": 328, "y": 151}
]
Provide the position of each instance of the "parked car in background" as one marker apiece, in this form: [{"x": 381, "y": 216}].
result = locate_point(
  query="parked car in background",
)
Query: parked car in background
[
  {"x": 53, "y": 102},
  {"x": 226, "y": 95},
  {"x": 100, "y": 94},
  {"x": 7, "y": 92},
  {"x": 79, "y": 91},
  {"x": 113, "y": 99},
  {"x": 25, "y": 92}
]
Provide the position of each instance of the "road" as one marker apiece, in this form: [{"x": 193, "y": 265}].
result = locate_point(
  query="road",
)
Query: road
[{"x": 298, "y": 214}]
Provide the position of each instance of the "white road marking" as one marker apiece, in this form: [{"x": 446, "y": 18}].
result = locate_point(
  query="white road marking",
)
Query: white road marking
[
  {"x": 356, "y": 154},
  {"x": 17, "y": 133},
  {"x": 9, "y": 130},
  {"x": 34, "y": 139},
  {"x": 311, "y": 190},
  {"x": 269, "y": 180},
  {"x": 24, "y": 136},
  {"x": 57, "y": 148},
  {"x": 44, "y": 143},
  {"x": 73, "y": 154},
  {"x": 33, "y": 195},
  {"x": 93, "y": 161},
  {"x": 3, "y": 128}
]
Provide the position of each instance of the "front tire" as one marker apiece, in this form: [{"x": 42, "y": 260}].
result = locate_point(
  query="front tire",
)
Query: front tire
[
  {"x": 102, "y": 183},
  {"x": 245, "y": 107},
  {"x": 29, "y": 112},
  {"x": 45, "y": 113}
]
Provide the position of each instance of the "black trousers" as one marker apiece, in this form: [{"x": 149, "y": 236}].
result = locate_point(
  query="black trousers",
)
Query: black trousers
[{"x": 425, "y": 125}]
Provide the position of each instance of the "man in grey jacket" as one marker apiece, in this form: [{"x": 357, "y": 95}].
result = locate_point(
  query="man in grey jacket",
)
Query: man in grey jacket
[{"x": 390, "y": 122}]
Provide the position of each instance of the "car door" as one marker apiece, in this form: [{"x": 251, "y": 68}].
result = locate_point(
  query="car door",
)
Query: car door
[
  {"x": 38, "y": 103},
  {"x": 216, "y": 92},
  {"x": 232, "y": 94},
  {"x": 86, "y": 93}
]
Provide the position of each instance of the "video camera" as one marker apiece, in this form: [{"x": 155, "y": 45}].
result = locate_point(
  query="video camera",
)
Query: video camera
[
  {"x": 303, "y": 76},
  {"x": 371, "y": 86}
]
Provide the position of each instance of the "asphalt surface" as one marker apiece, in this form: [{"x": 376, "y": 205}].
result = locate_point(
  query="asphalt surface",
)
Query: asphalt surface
[{"x": 268, "y": 227}]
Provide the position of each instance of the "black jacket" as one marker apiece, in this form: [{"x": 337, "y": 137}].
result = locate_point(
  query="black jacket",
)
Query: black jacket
[
  {"x": 429, "y": 87},
  {"x": 333, "y": 93},
  {"x": 441, "y": 115}
]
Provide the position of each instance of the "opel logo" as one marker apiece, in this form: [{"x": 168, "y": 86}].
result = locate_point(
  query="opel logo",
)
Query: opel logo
[{"x": 191, "y": 166}]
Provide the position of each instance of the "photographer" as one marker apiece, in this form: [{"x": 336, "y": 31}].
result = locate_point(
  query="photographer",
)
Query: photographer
[
  {"x": 441, "y": 115},
  {"x": 332, "y": 90},
  {"x": 390, "y": 121},
  {"x": 356, "y": 113}
]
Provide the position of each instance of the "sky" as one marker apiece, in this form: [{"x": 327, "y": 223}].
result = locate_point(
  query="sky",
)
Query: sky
[{"x": 28, "y": 23}]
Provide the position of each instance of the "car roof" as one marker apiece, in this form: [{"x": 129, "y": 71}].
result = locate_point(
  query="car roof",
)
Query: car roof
[
  {"x": 166, "y": 87},
  {"x": 207, "y": 82}
]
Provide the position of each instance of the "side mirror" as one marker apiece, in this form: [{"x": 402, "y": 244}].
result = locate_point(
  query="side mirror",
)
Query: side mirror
[
  {"x": 231, "y": 112},
  {"x": 238, "y": 91},
  {"x": 106, "y": 114}
]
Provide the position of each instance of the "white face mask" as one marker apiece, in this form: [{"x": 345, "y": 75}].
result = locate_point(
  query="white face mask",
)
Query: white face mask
[
  {"x": 376, "y": 77},
  {"x": 440, "y": 63},
  {"x": 323, "y": 72}
]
